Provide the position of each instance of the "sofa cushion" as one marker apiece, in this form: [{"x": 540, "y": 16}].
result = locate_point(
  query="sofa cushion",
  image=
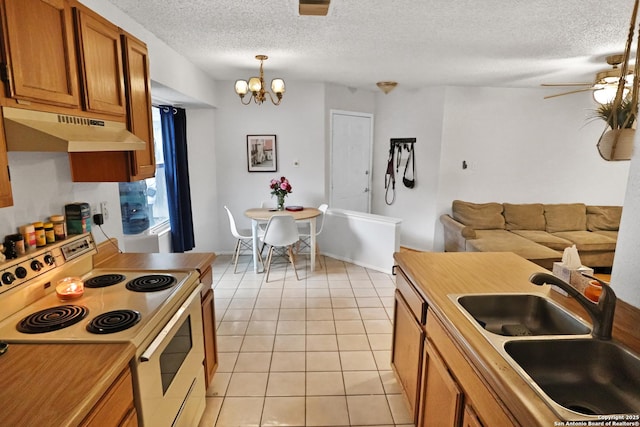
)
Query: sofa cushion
[
  {"x": 612, "y": 234},
  {"x": 528, "y": 216},
  {"x": 480, "y": 216},
  {"x": 547, "y": 239},
  {"x": 565, "y": 217},
  {"x": 603, "y": 218},
  {"x": 506, "y": 241},
  {"x": 588, "y": 241}
]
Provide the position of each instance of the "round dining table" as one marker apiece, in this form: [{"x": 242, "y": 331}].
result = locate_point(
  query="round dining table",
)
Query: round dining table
[{"x": 259, "y": 215}]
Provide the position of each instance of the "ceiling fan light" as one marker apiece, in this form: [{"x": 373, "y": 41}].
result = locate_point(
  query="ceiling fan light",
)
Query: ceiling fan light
[
  {"x": 255, "y": 84},
  {"x": 607, "y": 94},
  {"x": 277, "y": 86},
  {"x": 242, "y": 87}
]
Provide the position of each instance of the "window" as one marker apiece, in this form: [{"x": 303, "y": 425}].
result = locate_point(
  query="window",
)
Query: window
[{"x": 144, "y": 203}]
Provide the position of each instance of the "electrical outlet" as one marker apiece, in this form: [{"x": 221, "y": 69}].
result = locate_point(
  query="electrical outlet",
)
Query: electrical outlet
[{"x": 104, "y": 210}]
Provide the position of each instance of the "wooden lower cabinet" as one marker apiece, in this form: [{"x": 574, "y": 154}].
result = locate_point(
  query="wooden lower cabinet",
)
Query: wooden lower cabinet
[
  {"x": 406, "y": 354},
  {"x": 209, "y": 332},
  {"x": 442, "y": 387},
  {"x": 115, "y": 408},
  {"x": 442, "y": 398},
  {"x": 456, "y": 383}
]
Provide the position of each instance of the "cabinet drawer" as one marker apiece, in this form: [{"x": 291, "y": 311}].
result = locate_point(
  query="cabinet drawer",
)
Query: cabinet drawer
[{"x": 413, "y": 299}]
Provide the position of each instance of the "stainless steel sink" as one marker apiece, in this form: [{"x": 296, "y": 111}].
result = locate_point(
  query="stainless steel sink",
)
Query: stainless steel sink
[
  {"x": 587, "y": 376},
  {"x": 520, "y": 315}
]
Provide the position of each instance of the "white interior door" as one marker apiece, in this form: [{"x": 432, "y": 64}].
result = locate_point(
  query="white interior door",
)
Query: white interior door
[{"x": 351, "y": 142}]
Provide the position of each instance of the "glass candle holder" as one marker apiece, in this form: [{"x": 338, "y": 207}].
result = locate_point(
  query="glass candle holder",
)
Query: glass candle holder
[
  {"x": 593, "y": 291},
  {"x": 69, "y": 288}
]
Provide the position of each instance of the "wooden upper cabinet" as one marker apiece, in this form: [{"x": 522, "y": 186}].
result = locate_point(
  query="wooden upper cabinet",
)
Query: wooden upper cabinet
[
  {"x": 39, "y": 53},
  {"x": 138, "y": 92},
  {"x": 101, "y": 68}
]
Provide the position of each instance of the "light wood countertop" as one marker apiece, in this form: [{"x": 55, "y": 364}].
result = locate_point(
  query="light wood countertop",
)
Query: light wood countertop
[
  {"x": 159, "y": 261},
  {"x": 439, "y": 274},
  {"x": 57, "y": 384}
]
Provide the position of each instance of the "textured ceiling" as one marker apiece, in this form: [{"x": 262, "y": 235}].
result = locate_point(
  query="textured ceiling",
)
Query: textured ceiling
[{"x": 509, "y": 43}]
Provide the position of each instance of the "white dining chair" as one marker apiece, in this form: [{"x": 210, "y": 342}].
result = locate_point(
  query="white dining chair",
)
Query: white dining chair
[
  {"x": 243, "y": 236},
  {"x": 304, "y": 230},
  {"x": 281, "y": 232}
]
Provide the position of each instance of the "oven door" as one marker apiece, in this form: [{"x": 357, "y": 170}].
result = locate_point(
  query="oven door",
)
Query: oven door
[{"x": 170, "y": 374}]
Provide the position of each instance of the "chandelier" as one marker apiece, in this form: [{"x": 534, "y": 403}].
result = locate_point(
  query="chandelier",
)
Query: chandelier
[{"x": 256, "y": 86}]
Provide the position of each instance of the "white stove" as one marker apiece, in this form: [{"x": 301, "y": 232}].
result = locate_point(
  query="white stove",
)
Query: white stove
[
  {"x": 158, "y": 311},
  {"x": 151, "y": 307}
]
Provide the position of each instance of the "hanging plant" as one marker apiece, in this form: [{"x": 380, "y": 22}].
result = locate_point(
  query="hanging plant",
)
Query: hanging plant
[
  {"x": 625, "y": 115},
  {"x": 616, "y": 142}
]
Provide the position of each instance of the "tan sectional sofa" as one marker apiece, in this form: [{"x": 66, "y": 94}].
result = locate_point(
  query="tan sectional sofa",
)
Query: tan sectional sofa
[{"x": 538, "y": 232}]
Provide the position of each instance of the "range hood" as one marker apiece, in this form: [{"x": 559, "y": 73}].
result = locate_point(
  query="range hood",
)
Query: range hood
[{"x": 28, "y": 130}]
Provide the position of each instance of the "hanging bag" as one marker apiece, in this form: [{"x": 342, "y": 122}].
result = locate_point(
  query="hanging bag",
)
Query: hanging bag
[{"x": 410, "y": 183}]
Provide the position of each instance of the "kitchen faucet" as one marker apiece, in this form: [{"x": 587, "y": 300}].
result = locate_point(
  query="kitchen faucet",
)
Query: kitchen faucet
[{"x": 601, "y": 313}]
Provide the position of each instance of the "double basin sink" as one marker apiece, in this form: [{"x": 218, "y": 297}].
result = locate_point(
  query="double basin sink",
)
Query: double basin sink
[{"x": 577, "y": 375}]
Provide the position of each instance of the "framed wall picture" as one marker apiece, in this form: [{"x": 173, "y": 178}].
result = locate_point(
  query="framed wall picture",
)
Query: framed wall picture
[{"x": 262, "y": 155}]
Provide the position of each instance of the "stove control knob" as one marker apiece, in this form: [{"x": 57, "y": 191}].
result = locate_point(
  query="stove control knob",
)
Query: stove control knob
[
  {"x": 48, "y": 259},
  {"x": 8, "y": 278},
  {"x": 36, "y": 265},
  {"x": 21, "y": 272}
]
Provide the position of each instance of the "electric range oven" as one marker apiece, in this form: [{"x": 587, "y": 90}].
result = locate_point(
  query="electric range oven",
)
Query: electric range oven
[{"x": 158, "y": 311}]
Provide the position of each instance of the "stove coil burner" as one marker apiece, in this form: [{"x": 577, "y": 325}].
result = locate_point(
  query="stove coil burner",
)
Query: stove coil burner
[
  {"x": 52, "y": 319},
  {"x": 104, "y": 280},
  {"x": 113, "y": 321},
  {"x": 151, "y": 283}
]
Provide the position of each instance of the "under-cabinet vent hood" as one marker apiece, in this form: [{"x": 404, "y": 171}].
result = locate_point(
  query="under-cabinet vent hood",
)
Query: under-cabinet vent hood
[{"x": 28, "y": 130}]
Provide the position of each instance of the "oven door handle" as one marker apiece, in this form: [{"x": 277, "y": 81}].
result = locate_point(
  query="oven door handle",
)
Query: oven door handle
[{"x": 149, "y": 352}]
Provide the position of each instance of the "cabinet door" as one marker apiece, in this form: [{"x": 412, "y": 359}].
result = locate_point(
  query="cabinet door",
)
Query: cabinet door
[
  {"x": 470, "y": 418},
  {"x": 209, "y": 330},
  {"x": 100, "y": 63},
  {"x": 115, "y": 408},
  {"x": 39, "y": 51},
  {"x": 6, "y": 196},
  {"x": 442, "y": 398},
  {"x": 138, "y": 92},
  {"x": 406, "y": 355}
]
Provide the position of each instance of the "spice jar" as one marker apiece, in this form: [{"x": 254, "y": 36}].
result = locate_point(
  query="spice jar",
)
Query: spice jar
[
  {"x": 48, "y": 233},
  {"x": 29, "y": 233},
  {"x": 41, "y": 240},
  {"x": 59, "y": 227}
]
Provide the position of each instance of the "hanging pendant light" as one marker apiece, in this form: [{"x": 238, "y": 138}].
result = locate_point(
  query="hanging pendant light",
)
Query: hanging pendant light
[{"x": 255, "y": 85}]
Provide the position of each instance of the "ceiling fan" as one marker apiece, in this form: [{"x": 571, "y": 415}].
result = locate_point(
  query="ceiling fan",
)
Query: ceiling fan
[{"x": 604, "y": 85}]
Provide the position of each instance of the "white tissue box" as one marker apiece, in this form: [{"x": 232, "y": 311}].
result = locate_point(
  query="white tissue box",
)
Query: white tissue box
[{"x": 573, "y": 277}]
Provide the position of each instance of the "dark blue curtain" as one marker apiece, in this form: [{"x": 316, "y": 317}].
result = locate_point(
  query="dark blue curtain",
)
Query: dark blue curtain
[{"x": 174, "y": 142}]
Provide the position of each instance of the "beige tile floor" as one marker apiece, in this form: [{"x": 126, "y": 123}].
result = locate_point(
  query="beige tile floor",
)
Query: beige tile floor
[{"x": 313, "y": 352}]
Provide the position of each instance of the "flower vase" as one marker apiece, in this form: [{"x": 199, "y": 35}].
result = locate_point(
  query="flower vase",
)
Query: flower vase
[{"x": 280, "y": 202}]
